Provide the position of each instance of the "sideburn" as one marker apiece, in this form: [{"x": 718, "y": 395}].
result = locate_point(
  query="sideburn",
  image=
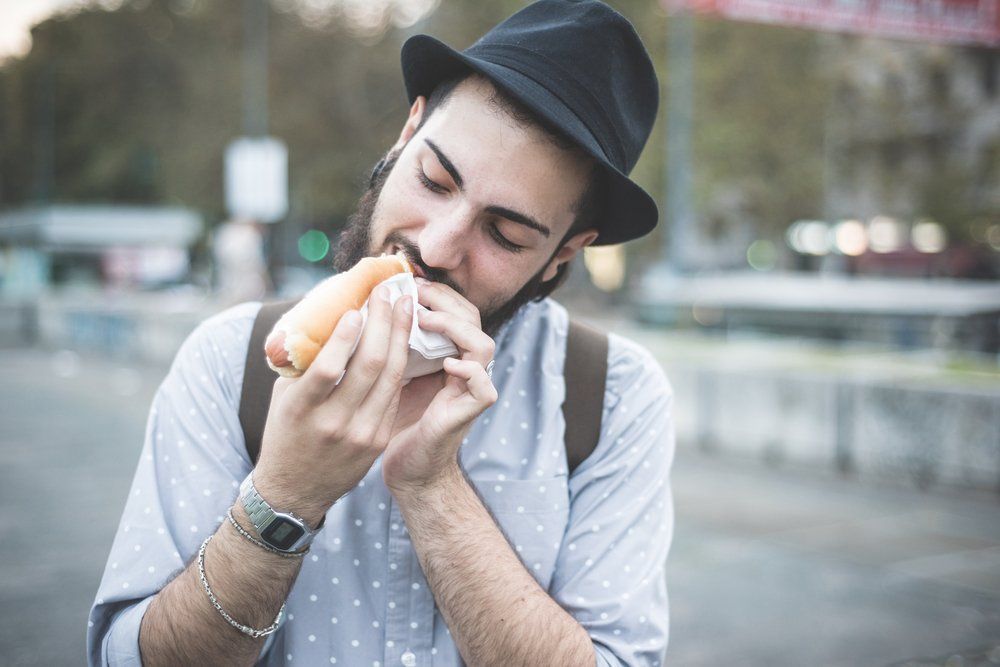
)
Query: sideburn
[{"x": 355, "y": 239}]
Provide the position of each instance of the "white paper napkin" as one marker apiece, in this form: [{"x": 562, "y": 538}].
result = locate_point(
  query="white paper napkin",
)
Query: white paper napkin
[{"x": 428, "y": 349}]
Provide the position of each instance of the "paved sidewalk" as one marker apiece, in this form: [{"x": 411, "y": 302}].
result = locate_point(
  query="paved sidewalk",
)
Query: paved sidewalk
[
  {"x": 769, "y": 567},
  {"x": 774, "y": 567}
]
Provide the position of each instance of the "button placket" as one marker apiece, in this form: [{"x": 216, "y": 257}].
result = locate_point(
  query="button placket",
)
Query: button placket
[
  {"x": 398, "y": 601},
  {"x": 410, "y": 616}
]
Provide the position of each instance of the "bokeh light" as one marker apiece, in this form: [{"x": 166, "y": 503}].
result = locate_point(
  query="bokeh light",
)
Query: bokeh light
[
  {"x": 928, "y": 236},
  {"x": 606, "y": 266},
  {"x": 706, "y": 316},
  {"x": 762, "y": 255},
  {"x": 809, "y": 237},
  {"x": 851, "y": 237},
  {"x": 314, "y": 245},
  {"x": 993, "y": 237},
  {"x": 885, "y": 234}
]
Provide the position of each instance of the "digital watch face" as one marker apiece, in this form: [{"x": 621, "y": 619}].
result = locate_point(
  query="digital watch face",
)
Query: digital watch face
[{"x": 282, "y": 533}]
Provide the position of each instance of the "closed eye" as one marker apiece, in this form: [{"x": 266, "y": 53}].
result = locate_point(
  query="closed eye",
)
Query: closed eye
[
  {"x": 428, "y": 183},
  {"x": 437, "y": 188},
  {"x": 502, "y": 240}
]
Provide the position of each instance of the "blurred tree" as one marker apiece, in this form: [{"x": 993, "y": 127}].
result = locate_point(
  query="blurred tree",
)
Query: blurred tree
[
  {"x": 917, "y": 131},
  {"x": 760, "y": 99},
  {"x": 138, "y": 104}
]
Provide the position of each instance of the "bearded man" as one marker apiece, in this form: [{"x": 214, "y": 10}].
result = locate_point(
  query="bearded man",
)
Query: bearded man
[{"x": 440, "y": 522}]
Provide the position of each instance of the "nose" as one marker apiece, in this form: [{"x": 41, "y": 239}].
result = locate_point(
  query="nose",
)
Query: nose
[{"x": 444, "y": 241}]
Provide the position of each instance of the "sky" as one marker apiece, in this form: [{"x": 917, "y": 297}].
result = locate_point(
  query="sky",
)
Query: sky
[
  {"x": 18, "y": 16},
  {"x": 16, "y": 19}
]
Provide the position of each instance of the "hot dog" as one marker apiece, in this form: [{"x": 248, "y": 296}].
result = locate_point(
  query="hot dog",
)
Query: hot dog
[{"x": 300, "y": 333}]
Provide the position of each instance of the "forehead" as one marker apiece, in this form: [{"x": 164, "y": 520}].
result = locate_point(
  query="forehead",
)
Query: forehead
[{"x": 504, "y": 161}]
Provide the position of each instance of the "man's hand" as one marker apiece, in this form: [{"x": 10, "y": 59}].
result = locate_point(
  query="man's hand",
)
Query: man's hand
[
  {"x": 321, "y": 437},
  {"x": 425, "y": 443}
]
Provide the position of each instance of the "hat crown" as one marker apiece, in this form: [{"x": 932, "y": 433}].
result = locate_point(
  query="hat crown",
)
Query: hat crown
[
  {"x": 579, "y": 68},
  {"x": 590, "y": 57}
]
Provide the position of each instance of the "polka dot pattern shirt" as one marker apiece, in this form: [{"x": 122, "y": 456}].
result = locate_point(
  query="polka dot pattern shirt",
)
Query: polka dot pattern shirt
[{"x": 596, "y": 541}]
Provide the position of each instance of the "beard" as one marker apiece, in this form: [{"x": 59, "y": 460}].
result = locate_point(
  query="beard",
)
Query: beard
[{"x": 355, "y": 243}]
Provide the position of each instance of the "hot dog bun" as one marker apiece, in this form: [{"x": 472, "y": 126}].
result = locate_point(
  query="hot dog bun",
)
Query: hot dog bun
[{"x": 299, "y": 335}]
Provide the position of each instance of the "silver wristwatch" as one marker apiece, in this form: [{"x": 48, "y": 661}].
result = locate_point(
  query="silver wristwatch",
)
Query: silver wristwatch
[{"x": 282, "y": 530}]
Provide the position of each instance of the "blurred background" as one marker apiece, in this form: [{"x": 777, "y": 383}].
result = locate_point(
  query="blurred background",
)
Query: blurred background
[{"x": 822, "y": 290}]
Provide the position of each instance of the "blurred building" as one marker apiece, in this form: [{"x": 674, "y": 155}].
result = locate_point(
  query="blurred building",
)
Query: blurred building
[
  {"x": 898, "y": 313},
  {"x": 913, "y": 135},
  {"x": 80, "y": 247},
  {"x": 90, "y": 278}
]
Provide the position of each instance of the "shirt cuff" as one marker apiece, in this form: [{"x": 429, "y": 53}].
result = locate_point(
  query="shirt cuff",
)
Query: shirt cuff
[
  {"x": 121, "y": 644},
  {"x": 606, "y": 657}
]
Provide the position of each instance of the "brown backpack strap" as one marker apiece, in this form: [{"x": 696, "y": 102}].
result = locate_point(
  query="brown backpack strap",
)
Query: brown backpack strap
[
  {"x": 258, "y": 378},
  {"x": 585, "y": 372}
]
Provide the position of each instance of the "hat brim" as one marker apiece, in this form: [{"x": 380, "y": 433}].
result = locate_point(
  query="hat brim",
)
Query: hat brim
[{"x": 630, "y": 212}]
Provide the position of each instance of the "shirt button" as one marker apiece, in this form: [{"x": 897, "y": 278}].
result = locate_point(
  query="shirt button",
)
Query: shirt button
[{"x": 408, "y": 659}]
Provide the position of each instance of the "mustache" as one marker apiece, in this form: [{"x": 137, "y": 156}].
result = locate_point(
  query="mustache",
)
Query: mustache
[{"x": 412, "y": 253}]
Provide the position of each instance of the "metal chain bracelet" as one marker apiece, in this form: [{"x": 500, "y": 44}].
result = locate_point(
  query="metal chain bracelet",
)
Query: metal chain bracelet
[
  {"x": 244, "y": 533},
  {"x": 245, "y": 629}
]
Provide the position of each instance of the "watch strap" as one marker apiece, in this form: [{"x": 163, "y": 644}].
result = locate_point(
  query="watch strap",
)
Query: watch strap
[{"x": 261, "y": 515}]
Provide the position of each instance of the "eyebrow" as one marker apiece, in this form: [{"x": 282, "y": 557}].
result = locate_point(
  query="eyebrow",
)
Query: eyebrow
[
  {"x": 446, "y": 163},
  {"x": 519, "y": 218},
  {"x": 501, "y": 211}
]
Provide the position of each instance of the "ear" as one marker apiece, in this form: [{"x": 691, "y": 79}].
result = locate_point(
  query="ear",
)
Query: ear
[
  {"x": 568, "y": 251},
  {"x": 412, "y": 123}
]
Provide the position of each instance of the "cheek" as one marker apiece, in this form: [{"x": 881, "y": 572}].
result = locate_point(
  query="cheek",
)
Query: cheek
[
  {"x": 406, "y": 202},
  {"x": 396, "y": 210},
  {"x": 498, "y": 276}
]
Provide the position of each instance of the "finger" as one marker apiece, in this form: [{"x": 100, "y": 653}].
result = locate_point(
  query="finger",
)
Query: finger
[
  {"x": 384, "y": 431},
  {"x": 369, "y": 359},
  {"x": 372, "y": 410},
  {"x": 280, "y": 386},
  {"x": 475, "y": 344},
  {"x": 479, "y": 383},
  {"x": 441, "y": 297},
  {"x": 321, "y": 377}
]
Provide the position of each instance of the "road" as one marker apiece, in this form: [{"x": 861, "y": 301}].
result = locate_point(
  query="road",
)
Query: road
[{"x": 769, "y": 566}]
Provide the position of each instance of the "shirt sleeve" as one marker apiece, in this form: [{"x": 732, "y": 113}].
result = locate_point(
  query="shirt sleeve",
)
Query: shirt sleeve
[
  {"x": 611, "y": 571},
  {"x": 192, "y": 461}
]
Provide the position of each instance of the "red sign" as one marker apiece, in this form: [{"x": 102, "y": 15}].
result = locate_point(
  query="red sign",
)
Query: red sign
[{"x": 955, "y": 21}]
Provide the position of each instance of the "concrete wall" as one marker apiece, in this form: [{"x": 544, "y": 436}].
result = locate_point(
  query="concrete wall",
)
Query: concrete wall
[
  {"x": 135, "y": 329},
  {"x": 925, "y": 433},
  {"x": 887, "y": 415}
]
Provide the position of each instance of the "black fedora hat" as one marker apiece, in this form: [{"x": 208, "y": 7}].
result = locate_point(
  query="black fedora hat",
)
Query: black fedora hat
[{"x": 578, "y": 65}]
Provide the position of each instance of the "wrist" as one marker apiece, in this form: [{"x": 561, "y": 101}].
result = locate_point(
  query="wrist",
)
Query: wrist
[
  {"x": 280, "y": 498},
  {"x": 447, "y": 479}
]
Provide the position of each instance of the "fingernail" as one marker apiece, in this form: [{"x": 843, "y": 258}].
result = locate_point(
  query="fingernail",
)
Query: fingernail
[
  {"x": 383, "y": 293},
  {"x": 353, "y": 318},
  {"x": 421, "y": 281},
  {"x": 407, "y": 305}
]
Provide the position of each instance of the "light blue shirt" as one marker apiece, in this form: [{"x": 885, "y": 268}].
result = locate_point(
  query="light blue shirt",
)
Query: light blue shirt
[{"x": 596, "y": 541}]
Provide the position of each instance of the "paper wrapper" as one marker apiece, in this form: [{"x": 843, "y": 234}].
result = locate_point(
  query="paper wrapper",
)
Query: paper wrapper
[{"x": 428, "y": 349}]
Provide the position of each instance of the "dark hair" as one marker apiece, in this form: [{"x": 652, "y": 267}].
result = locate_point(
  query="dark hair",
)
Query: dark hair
[{"x": 589, "y": 208}]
